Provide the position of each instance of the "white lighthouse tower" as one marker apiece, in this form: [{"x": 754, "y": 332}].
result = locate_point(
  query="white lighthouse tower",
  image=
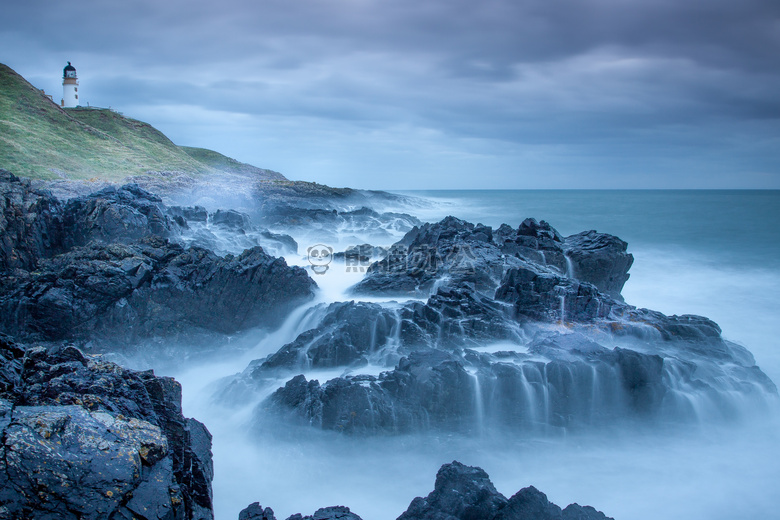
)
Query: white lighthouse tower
[{"x": 70, "y": 87}]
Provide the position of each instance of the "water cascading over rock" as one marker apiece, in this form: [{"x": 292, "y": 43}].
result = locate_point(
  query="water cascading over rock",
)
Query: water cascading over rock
[{"x": 576, "y": 356}]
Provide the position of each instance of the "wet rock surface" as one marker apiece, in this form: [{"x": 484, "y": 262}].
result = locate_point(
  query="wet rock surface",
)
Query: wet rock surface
[
  {"x": 110, "y": 266},
  {"x": 596, "y": 258},
  {"x": 464, "y": 492},
  {"x": 584, "y": 386},
  {"x": 128, "y": 292},
  {"x": 460, "y": 493},
  {"x": 328, "y": 513},
  {"x": 255, "y": 511},
  {"x": 456, "y": 252},
  {"x": 31, "y": 225},
  {"x": 36, "y": 225},
  {"x": 122, "y": 214},
  {"x": 545, "y": 379},
  {"x": 572, "y": 355},
  {"x": 360, "y": 333},
  {"x": 86, "y": 439},
  {"x": 453, "y": 249},
  {"x": 599, "y": 259}
]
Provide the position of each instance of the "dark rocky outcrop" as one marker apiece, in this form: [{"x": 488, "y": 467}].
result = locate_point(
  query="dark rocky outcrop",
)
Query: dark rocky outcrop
[
  {"x": 531, "y": 504},
  {"x": 473, "y": 392},
  {"x": 426, "y": 390},
  {"x": 557, "y": 380},
  {"x": 256, "y": 512},
  {"x": 122, "y": 214},
  {"x": 184, "y": 214},
  {"x": 453, "y": 249},
  {"x": 316, "y": 213},
  {"x": 455, "y": 252},
  {"x": 460, "y": 493},
  {"x": 231, "y": 219},
  {"x": 357, "y": 333},
  {"x": 596, "y": 258},
  {"x": 126, "y": 292},
  {"x": 35, "y": 225},
  {"x": 540, "y": 296},
  {"x": 31, "y": 224},
  {"x": 465, "y": 493},
  {"x": 605, "y": 362},
  {"x": 608, "y": 362},
  {"x": 599, "y": 259},
  {"x": 287, "y": 216},
  {"x": 328, "y": 513},
  {"x": 347, "y": 335},
  {"x": 104, "y": 267},
  {"x": 86, "y": 439},
  {"x": 360, "y": 256},
  {"x": 537, "y": 242},
  {"x": 544, "y": 296},
  {"x": 311, "y": 195}
]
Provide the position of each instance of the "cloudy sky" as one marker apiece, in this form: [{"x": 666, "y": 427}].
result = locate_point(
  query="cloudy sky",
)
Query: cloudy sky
[{"x": 437, "y": 94}]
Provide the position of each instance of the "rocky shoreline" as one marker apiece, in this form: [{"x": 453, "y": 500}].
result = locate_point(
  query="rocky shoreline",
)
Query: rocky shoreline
[
  {"x": 86, "y": 438},
  {"x": 107, "y": 269},
  {"x": 120, "y": 271}
]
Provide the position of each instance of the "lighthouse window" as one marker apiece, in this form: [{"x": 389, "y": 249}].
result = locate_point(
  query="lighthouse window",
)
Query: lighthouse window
[
  {"x": 76, "y": 89},
  {"x": 77, "y": 96}
]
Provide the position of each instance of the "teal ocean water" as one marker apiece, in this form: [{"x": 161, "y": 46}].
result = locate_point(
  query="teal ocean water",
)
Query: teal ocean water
[{"x": 738, "y": 227}]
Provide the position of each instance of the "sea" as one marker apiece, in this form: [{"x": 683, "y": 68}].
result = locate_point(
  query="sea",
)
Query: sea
[{"x": 711, "y": 253}]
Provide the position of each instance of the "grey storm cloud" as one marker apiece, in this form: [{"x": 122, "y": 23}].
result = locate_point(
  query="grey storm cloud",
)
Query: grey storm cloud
[{"x": 576, "y": 89}]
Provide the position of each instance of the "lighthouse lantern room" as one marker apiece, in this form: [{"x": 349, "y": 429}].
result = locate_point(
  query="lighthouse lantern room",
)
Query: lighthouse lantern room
[{"x": 70, "y": 87}]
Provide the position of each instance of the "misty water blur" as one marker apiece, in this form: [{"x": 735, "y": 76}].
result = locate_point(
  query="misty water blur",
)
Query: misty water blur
[{"x": 714, "y": 254}]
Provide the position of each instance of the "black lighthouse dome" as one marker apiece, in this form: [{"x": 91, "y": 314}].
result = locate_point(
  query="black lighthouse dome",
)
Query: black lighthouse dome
[{"x": 69, "y": 71}]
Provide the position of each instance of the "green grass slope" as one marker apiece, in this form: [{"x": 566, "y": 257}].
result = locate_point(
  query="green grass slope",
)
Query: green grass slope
[
  {"x": 40, "y": 140},
  {"x": 225, "y": 164}
]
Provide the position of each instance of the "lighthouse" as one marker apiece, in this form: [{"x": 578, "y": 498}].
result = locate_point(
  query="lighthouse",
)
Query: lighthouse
[{"x": 70, "y": 87}]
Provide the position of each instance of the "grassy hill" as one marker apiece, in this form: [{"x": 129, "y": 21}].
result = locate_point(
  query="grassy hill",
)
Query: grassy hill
[
  {"x": 225, "y": 164},
  {"x": 40, "y": 140}
]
